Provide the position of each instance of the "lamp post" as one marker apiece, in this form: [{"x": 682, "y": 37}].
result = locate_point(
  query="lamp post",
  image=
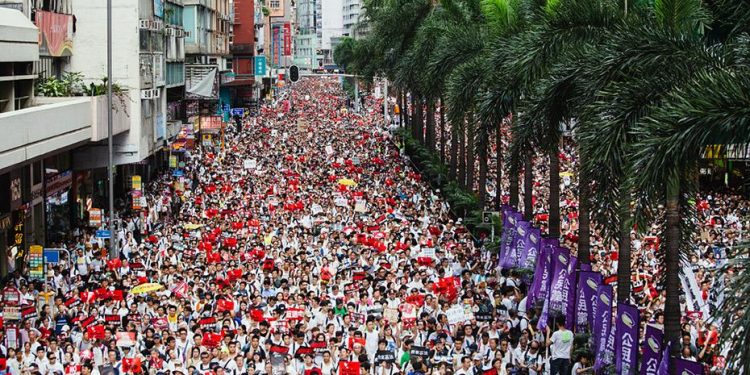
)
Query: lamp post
[{"x": 113, "y": 251}]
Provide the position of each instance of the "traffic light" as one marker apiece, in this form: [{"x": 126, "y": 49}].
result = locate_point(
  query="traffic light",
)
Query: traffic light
[{"x": 294, "y": 73}]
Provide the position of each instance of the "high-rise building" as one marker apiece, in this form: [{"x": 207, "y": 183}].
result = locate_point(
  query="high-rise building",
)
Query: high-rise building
[
  {"x": 306, "y": 41},
  {"x": 243, "y": 47},
  {"x": 332, "y": 21}
]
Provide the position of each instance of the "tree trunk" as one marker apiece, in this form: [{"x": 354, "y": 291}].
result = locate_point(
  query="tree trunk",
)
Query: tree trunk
[
  {"x": 462, "y": 155},
  {"x": 430, "y": 125},
  {"x": 623, "y": 264},
  {"x": 584, "y": 216},
  {"x": 405, "y": 120},
  {"x": 499, "y": 172},
  {"x": 483, "y": 160},
  {"x": 513, "y": 179},
  {"x": 672, "y": 316},
  {"x": 554, "y": 192},
  {"x": 470, "y": 151},
  {"x": 420, "y": 119},
  {"x": 442, "y": 131},
  {"x": 453, "y": 172},
  {"x": 528, "y": 186}
]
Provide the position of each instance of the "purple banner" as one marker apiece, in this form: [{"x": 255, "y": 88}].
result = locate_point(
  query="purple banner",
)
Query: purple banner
[
  {"x": 540, "y": 285},
  {"x": 588, "y": 282},
  {"x": 507, "y": 229},
  {"x": 523, "y": 228},
  {"x": 585, "y": 267},
  {"x": 570, "y": 294},
  {"x": 664, "y": 363},
  {"x": 626, "y": 339},
  {"x": 685, "y": 367},
  {"x": 608, "y": 358},
  {"x": 651, "y": 350},
  {"x": 602, "y": 323},
  {"x": 506, "y": 258},
  {"x": 558, "y": 296},
  {"x": 530, "y": 253}
]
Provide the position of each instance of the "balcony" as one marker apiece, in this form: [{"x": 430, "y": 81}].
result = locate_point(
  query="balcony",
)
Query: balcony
[
  {"x": 52, "y": 124},
  {"x": 43, "y": 128},
  {"x": 120, "y": 116}
]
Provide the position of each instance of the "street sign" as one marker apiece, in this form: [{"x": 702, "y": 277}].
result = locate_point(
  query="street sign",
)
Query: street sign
[
  {"x": 52, "y": 256},
  {"x": 260, "y": 66},
  {"x": 103, "y": 233},
  {"x": 238, "y": 112}
]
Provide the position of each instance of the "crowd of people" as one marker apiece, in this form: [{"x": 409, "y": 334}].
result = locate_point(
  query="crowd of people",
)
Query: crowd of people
[
  {"x": 307, "y": 244},
  {"x": 721, "y": 222}
]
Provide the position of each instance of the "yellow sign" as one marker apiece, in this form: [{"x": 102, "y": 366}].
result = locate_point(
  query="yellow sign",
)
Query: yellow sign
[
  {"x": 173, "y": 161},
  {"x": 36, "y": 262},
  {"x": 136, "y": 180}
]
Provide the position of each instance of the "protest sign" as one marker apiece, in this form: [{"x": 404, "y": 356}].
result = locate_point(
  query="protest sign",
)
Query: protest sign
[{"x": 456, "y": 314}]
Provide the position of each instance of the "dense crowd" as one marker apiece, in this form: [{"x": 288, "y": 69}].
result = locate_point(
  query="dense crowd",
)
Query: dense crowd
[{"x": 307, "y": 244}]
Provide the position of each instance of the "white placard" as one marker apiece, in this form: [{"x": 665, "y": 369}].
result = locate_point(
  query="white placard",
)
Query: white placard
[
  {"x": 329, "y": 150},
  {"x": 360, "y": 206},
  {"x": 316, "y": 209},
  {"x": 456, "y": 314},
  {"x": 250, "y": 163},
  {"x": 341, "y": 202},
  {"x": 427, "y": 253}
]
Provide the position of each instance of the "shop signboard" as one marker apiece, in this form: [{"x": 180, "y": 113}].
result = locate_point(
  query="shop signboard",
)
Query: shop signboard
[
  {"x": 211, "y": 124},
  {"x": 136, "y": 182},
  {"x": 59, "y": 183},
  {"x": 36, "y": 262},
  {"x": 95, "y": 217},
  {"x": 137, "y": 194}
]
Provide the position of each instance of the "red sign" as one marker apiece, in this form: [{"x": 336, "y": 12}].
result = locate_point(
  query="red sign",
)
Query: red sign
[
  {"x": 275, "y": 43},
  {"x": 287, "y": 39},
  {"x": 348, "y": 368}
]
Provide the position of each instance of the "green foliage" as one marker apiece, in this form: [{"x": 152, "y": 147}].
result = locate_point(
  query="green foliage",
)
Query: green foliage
[
  {"x": 69, "y": 85},
  {"x": 343, "y": 54}
]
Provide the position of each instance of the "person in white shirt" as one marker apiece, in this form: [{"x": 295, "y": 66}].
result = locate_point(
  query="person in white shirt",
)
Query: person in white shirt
[
  {"x": 561, "y": 344},
  {"x": 53, "y": 365}
]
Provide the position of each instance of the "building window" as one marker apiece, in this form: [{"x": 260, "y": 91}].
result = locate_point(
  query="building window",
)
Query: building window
[{"x": 275, "y": 4}]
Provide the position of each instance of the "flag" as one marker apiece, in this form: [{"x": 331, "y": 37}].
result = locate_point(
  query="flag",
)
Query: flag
[
  {"x": 588, "y": 283},
  {"x": 626, "y": 339},
  {"x": 664, "y": 363},
  {"x": 602, "y": 324},
  {"x": 685, "y": 367},
  {"x": 651, "y": 350},
  {"x": 569, "y": 294}
]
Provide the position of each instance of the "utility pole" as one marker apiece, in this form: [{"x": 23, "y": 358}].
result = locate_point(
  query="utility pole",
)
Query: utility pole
[{"x": 113, "y": 251}]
